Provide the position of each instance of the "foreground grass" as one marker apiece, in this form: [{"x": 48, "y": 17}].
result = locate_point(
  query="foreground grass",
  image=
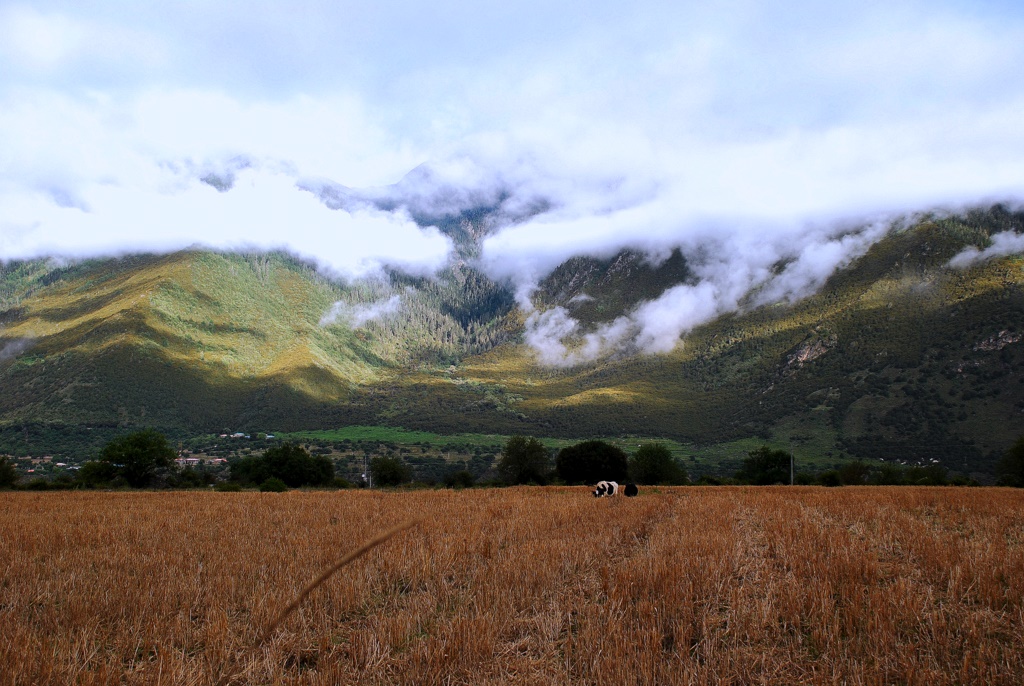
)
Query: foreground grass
[{"x": 532, "y": 585}]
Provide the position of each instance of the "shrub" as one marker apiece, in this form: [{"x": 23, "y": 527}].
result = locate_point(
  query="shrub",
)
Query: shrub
[
  {"x": 95, "y": 473},
  {"x": 932, "y": 475},
  {"x": 288, "y": 462},
  {"x": 273, "y": 485},
  {"x": 137, "y": 460},
  {"x": 459, "y": 479},
  {"x": 389, "y": 471},
  {"x": 227, "y": 487},
  {"x": 590, "y": 462},
  {"x": 1010, "y": 469},
  {"x": 830, "y": 478},
  {"x": 889, "y": 475},
  {"x": 523, "y": 461},
  {"x": 652, "y": 463},
  {"x": 854, "y": 473},
  {"x": 63, "y": 482},
  {"x": 765, "y": 466},
  {"x": 804, "y": 479},
  {"x": 191, "y": 478},
  {"x": 709, "y": 480},
  {"x": 8, "y": 475}
]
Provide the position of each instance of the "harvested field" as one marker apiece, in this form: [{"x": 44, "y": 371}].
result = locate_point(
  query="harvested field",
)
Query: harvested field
[{"x": 527, "y": 585}]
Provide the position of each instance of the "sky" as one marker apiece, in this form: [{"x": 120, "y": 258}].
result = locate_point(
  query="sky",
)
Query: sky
[{"x": 741, "y": 131}]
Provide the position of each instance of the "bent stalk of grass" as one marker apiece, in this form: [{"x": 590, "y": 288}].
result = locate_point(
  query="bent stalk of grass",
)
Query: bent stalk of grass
[{"x": 330, "y": 571}]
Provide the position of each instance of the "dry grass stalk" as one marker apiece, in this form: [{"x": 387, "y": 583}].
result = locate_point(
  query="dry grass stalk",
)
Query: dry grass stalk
[{"x": 330, "y": 571}]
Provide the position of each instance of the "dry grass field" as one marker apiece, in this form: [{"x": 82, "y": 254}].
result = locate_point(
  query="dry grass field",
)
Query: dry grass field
[{"x": 526, "y": 586}]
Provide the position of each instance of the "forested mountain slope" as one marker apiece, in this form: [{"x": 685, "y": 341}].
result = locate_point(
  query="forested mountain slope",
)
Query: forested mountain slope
[{"x": 898, "y": 354}]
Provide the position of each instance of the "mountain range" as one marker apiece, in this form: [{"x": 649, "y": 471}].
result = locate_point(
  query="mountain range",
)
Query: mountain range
[{"x": 911, "y": 350}]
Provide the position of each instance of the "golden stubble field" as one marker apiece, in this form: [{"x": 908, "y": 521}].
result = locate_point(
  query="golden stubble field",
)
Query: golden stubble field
[{"x": 526, "y": 586}]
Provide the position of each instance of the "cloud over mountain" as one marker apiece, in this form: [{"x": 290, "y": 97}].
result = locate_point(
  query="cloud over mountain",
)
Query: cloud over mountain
[{"x": 748, "y": 135}]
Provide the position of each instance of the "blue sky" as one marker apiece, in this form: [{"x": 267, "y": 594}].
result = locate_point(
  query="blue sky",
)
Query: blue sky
[{"x": 649, "y": 124}]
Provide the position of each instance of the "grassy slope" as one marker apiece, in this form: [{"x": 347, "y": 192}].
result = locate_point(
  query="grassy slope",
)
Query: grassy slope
[{"x": 185, "y": 338}]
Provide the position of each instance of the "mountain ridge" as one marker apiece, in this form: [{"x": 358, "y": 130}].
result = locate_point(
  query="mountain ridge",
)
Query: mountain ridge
[{"x": 897, "y": 354}]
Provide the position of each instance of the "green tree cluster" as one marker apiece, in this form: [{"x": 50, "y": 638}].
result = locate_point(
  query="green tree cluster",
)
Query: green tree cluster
[
  {"x": 653, "y": 464},
  {"x": 273, "y": 485},
  {"x": 928, "y": 475},
  {"x": 389, "y": 471},
  {"x": 288, "y": 462},
  {"x": 591, "y": 461},
  {"x": 524, "y": 461},
  {"x": 8, "y": 475},
  {"x": 765, "y": 466},
  {"x": 1011, "y": 466},
  {"x": 461, "y": 478},
  {"x": 141, "y": 459}
]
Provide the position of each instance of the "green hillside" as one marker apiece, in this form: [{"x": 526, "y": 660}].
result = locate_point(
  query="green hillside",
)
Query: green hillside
[
  {"x": 897, "y": 357},
  {"x": 206, "y": 339}
]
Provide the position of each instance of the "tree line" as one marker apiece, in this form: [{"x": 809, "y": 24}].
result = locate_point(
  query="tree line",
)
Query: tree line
[
  {"x": 145, "y": 459},
  {"x": 526, "y": 461}
]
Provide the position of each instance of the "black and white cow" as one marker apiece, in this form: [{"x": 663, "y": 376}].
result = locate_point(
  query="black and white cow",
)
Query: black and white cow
[{"x": 609, "y": 488}]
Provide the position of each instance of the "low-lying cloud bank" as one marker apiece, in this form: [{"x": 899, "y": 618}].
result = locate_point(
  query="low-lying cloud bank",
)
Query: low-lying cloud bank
[
  {"x": 355, "y": 316},
  {"x": 1003, "y": 243},
  {"x": 733, "y": 270},
  {"x": 248, "y": 207}
]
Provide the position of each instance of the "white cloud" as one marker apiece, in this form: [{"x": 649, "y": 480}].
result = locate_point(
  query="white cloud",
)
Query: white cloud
[
  {"x": 42, "y": 44},
  {"x": 743, "y": 132},
  {"x": 263, "y": 210},
  {"x": 557, "y": 341},
  {"x": 54, "y": 138},
  {"x": 357, "y": 315},
  {"x": 1003, "y": 243},
  {"x": 817, "y": 261},
  {"x": 677, "y": 311},
  {"x": 14, "y": 347},
  {"x": 38, "y": 41},
  {"x": 734, "y": 267}
]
